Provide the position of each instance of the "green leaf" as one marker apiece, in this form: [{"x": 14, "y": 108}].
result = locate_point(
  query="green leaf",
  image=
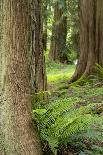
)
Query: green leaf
[{"x": 40, "y": 111}]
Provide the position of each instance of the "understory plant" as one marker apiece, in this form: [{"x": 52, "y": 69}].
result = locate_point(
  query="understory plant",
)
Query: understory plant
[
  {"x": 71, "y": 121},
  {"x": 99, "y": 72}
]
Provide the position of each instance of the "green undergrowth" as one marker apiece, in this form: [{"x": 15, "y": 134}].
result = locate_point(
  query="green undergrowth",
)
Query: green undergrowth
[
  {"x": 73, "y": 115},
  {"x": 58, "y": 74},
  {"x": 62, "y": 119}
]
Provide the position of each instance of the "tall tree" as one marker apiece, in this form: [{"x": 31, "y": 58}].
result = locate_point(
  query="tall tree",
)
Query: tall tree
[
  {"x": 18, "y": 136},
  {"x": 40, "y": 69},
  {"x": 45, "y": 24},
  {"x": 59, "y": 31},
  {"x": 91, "y": 36},
  {"x": 73, "y": 26}
]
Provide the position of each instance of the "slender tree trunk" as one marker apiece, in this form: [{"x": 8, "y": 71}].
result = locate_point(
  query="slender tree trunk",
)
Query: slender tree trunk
[
  {"x": 45, "y": 35},
  {"x": 45, "y": 24},
  {"x": 40, "y": 69},
  {"x": 18, "y": 136},
  {"x": 91, "y": 36},
  {"x": 59, "y": 33}
]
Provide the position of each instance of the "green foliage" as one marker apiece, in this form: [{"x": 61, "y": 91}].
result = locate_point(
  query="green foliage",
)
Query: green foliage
[
  {"x": 83, "y": 80},
  {"x": 57, "y": 72},
  {"x": 99, "y": 70},
  {"x": 69, "y": 55},
  {"x": 89, "y": 142},
  {"x": 74, "y": 117},
  {"x": 65, "y": 118},
  {"x": 40, "y": 111},
  {"x": 40, "y": 95},
  {"x": 97, "y": 76},
  {"x": 72, "y": 56},
  {"x": 52, "y": 66}
]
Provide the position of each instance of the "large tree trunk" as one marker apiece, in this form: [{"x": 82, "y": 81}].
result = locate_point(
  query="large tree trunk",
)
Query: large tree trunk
[
  {"x": 91, "y": 37},
  {"x": 59, "y": 33},
  {"x": 99, "y": 32},
  {"x": 18, "y": 136}
]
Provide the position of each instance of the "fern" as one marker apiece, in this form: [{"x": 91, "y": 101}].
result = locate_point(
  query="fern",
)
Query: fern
[
  {"x": 87, "y": 80},
  {"x": 63, "y": 119},
  {"x": 99, "y": 70}
]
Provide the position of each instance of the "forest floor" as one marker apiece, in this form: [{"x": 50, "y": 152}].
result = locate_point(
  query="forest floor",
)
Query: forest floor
[
  {"x": 59, "y": 90},
  {"x": 58, "y": 76}
]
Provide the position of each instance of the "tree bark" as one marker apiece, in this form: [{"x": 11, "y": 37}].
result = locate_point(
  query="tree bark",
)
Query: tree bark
[
  {"x": 45, "y": 24},
  {"x": 91, "y": 36},
  {"x": 99, "y": 32},
  {"x": 59, "y": 33},
  {"x": 40, "y": 68},
  {"x": 18, "y": 136}
]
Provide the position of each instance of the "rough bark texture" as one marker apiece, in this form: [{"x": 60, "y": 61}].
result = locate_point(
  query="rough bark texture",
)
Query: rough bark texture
[
  {"x": 91, "y": 36},
  {"x": 59, "y": 33},
  {"x": 99, "y": 32},
  {"x": 18, "y": 136},
  {"x": 45, "y": 24},
  {"x": 40, "y": 69}
]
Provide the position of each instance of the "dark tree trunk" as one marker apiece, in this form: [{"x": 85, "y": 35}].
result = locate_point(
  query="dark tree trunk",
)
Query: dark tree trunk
[
  {"x": 59, "y": 33},
  {"x": 91, "y": 36},
  {"x": 18, "y": 136},
  {"x": 45, "y": 35},
  {"x": 40, "y": 69},
  {"x": 45, "y": 24}
]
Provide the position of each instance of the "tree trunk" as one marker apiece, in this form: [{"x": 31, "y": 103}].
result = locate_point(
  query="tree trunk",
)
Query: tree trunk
[
  {"x": 18, "y": 136},
  {"x": 45, "y": 35},
  {"x": 45, "y": 24},
  {"x": 99, "y": 32},
  {"x": 59, "y": 33},
  {"x": 40, "y": 69},
  {"x": 91, "y": 36}
]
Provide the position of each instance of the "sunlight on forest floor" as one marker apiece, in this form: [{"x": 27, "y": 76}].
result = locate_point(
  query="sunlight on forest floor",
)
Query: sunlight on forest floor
[
  {"x": 59, "y": 75},
  {"x": 69, "y": 112},
  {"x": 62, "y": 74}
]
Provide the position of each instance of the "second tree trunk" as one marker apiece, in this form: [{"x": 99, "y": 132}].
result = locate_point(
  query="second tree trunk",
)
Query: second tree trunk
[
  {"x": 59, "y": 33},
  {"x": 91, "y": 37}
]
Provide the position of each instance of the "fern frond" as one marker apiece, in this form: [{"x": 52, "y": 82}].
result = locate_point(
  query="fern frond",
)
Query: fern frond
[
  {"x": 99, "y": 70},
  {"x": 64, "y": 118}
]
